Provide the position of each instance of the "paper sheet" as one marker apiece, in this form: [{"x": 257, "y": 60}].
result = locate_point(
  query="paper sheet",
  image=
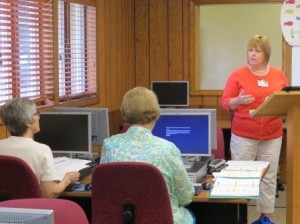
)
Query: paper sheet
[{"x": 65, "y": 164}]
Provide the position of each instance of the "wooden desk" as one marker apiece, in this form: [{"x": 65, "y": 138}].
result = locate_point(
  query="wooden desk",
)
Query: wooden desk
[
  {"x": 207, "y": 211},
  {"x": 203, "y": 196},
  {"x": 215, "y": 211}
]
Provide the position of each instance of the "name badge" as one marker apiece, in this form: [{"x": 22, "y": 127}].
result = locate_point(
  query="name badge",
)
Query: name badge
[{"x": 262, "y": 83}]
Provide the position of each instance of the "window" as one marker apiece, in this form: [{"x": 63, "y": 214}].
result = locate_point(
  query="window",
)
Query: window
[
  {"x": 27, "y": 51},
  {"x": 77, "y": 50}
]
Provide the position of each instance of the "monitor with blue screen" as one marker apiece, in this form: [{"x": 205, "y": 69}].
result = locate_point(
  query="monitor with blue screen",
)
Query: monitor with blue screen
[{"x": 189, "y": 130}]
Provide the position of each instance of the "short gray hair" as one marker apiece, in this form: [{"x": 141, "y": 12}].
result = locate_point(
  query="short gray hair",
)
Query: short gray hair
[{"x": 16, "y": 114}]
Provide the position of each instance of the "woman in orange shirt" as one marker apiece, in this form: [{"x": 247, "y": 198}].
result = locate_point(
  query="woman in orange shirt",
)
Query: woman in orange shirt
[{"x": 256, "y": 138}]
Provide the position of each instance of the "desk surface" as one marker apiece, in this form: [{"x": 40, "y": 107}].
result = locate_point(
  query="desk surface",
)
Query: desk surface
[{"x": 201, "y": 197}]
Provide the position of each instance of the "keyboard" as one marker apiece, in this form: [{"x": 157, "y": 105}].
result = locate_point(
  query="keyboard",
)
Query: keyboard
[{"x": 85, "y": 172}]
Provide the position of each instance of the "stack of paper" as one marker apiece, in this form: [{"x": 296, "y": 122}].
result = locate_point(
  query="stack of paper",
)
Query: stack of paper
[
  {"x": 65, "y": 164},
  {"x": 240, "y": 174},
  {"x": 240, "y": 179},
  {"x": 247, "y": 165},
  {"x": 243, "y": 169}
]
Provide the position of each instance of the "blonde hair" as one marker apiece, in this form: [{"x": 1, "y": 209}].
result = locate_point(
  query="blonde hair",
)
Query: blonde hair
[
  {"x": 263, "y": 43},
  {"x": 140, "y": 106}
]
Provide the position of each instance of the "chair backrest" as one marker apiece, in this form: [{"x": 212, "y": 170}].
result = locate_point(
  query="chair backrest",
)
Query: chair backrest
[
  {"x": 219, "y": 152},
  {"x": 125, "y": 190},
  {"x": 17, "y": 180},
  {"x": 65, "y": 211},
  {"x": 125, "y": 127}
]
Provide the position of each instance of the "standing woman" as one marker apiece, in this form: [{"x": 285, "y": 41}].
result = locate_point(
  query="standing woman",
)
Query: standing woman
[
  {"x": 21, "y": 118},
  {"x": 256, "y": 138}
]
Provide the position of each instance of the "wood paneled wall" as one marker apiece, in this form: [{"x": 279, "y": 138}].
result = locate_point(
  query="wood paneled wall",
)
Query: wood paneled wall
[
  {"x": 116, "y": 56},
  {"x": 144, "y": 40},
  {"x": 141, "y": 41}
]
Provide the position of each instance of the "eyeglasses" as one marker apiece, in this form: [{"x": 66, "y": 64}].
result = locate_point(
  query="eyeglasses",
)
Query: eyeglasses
[{"x": 37, "y": 113}]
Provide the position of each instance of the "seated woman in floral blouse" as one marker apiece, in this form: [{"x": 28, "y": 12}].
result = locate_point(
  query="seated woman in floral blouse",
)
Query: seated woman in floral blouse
[{"x": 140, "y": 108}]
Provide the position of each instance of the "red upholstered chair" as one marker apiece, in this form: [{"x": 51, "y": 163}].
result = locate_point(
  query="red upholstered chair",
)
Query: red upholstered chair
[
  {"x": 17, "y": 179},
  {"x": 129, "y": 192},
  {"x": 219, "y": 152},
  {"x": 65, "y": 211},
  {"x": 125, "y": 127}
]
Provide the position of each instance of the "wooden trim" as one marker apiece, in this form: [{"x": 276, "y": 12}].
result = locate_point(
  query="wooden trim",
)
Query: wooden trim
[
  {"x": 287, "y": 60},
  {"x": 83, "y": 2}
]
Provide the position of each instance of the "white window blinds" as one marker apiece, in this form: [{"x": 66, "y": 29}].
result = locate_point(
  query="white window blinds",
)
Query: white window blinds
[
  {"x": 27, "y": 34},
  {"x": 26, "y": 49}
]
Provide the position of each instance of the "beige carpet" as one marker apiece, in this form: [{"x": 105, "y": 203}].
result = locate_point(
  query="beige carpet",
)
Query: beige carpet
[{"x": 279, "y": 216}]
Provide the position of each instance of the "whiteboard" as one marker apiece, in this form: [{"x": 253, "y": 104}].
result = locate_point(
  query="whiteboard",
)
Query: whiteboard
[{"x": 222, "y": 35}]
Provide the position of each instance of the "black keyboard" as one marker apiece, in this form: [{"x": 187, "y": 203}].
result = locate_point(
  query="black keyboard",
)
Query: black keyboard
[
  {"x": 85, "y": 172},
  {"x": 291, "y": 88}
]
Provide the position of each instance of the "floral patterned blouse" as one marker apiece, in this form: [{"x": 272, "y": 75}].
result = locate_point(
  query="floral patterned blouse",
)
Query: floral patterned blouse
[{"x": 140, "y": 145}]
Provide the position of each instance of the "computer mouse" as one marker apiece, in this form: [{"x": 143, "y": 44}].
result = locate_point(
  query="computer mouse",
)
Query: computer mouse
[
  {"x": 88, "y": 187},
  {"x": 206, "y": 186}
]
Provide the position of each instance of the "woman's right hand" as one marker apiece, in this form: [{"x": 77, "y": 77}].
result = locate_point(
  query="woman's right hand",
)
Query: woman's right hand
[{"x": 73, "y": 177}]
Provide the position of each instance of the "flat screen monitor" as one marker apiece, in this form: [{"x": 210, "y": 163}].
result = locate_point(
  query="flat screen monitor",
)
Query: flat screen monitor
[
  {"x": 188, "y": 129},
  {"x": 26, "y": 216},
  {"x": 213, "y": 123},
  {"x": 66, "y": 132},
  {"x": 171, "y": 93},
  {"x": 100, "y": 121}
]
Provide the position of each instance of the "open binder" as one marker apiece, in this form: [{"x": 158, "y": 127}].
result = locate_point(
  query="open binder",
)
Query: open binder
[{"x": 240, "y": 179}]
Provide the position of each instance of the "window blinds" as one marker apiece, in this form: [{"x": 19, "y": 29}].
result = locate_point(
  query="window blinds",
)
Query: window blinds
[{"x": 26, "y": 49}]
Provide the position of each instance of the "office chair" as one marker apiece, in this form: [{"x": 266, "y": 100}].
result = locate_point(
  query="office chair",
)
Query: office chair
[
  {"x": 124, "y": 127},
  {"x": 17, "y": 179},
  {"x": 219, "y": 152},
  {"x": 65, "y": 211},
  {"x": 128, "y": 193}
]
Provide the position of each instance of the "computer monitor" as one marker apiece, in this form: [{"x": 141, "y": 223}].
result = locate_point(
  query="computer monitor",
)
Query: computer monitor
[
  {"x": 26, "y": 216},
  {"x": 213, "y": 124},
  {"x": 188, "y": 129},
  {"x": 100, "y": 121},
  {"x": 171, "y": 93},
  {"x": 66, "y": 132}
]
